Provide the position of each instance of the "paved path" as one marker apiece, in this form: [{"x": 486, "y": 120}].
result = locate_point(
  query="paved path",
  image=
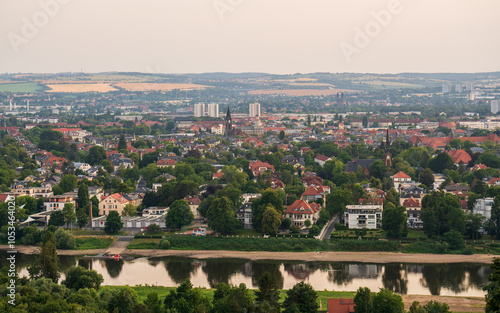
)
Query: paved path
[
  {"x": 330, "y": 228},
  {"x": 120, "y": 245}
]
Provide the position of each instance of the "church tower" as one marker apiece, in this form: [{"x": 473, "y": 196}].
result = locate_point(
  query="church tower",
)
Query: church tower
[
  {"x": 388, "y": 154},
  {"x": 229, "y": 131}
]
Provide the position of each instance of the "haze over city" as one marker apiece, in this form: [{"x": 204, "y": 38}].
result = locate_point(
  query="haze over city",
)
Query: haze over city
[{"x": 279, "y": 36}]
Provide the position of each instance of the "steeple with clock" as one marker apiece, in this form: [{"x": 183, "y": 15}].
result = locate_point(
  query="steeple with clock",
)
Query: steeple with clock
[{"x": 388, "y": 154}]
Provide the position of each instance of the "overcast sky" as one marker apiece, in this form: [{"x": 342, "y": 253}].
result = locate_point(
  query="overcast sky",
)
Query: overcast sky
[{"x": 274, "y": 36}]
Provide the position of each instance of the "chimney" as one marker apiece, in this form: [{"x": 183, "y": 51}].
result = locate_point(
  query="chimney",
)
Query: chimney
[{"x": 90, "y": 213}]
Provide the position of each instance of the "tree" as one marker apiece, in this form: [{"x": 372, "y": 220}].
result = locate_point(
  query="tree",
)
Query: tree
[
  {"x": 427, "y": 177},
  {"x": 271, "y": 221},
  {"x": 363, "y": 301},
  {"x": 441, "y": 212},
  {"x": 64, "y": 239},
  {"x": 69, "y": 213},
  {"x": 301, "y": 298},
  {"x": 337, "y": 200},
  {"x": 268, "y": 292},
  {"x": 82, "y": 217},
  {"x": 178, "y": 215},
  {"x": 378, "y": 169},
  {"x": 57, "y": 218},
  {"x": 186, "y": 299},
  {"x": 394, "y": 221},
  {"x": 68, "y": 183},
  {"x": 153, "y": 303},
  {"x": 259, "y": 205},
  {"x": 113, "y": 223},
  {"x": 83, "y": 196},
  {"x": 285, "y": 224},
  {"x": 78, "y": 278},
  {"x": 153, "y": 228},
  {"x": 221, "y": 216},
  {"x": 232, "y": 299},
  {"x": 314, "y": 230},
  {"x": 388, "y": 302},
  {"x": 454, "y": 239},
  {"x": 47, "y": 264},
  {"x": 493, "y": 289},
  {"x": 122, "y": 143},
  {"x": 282, "y": 135},
  {"x": 474, "y": 223},
  {"x": 441, "y": 162},
  {"x": 96, "y": 155},
  {"x": 129, "y": 210},
  {"x": 493, "y": 224}
]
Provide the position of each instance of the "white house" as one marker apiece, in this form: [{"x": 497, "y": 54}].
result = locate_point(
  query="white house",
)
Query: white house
[
  {"x": 400, "y": 178},
  {"x": 363, "y": 216},
  {"x": 483, "y": 207}
]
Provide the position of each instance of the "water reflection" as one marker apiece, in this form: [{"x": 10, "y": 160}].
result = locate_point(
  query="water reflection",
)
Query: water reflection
[
  {"x": 395, "y": 278},
  {"x": 179, "y": 269},
  {"x": 434, "y": 279},
  {"x": 114, "y": 267}
]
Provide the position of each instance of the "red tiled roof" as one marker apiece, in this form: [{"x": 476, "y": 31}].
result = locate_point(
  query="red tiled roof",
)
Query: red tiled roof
[
  {"x": 400, "y": 174},
  {"x": 459, "y": 156},
  {"x": 295, "y": 208}
]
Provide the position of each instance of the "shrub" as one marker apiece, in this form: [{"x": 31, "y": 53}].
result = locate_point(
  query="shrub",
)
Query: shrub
[
  {"x": 64, "y": 239},
  {"x": 295, "y": 229},
  {"x": 165, "y": 244}
]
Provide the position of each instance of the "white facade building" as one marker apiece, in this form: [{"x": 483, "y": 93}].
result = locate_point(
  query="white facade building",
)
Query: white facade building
[
  {"x": 199, "y": 109},
  {"x": 213, "y": 109},
  {"x": 483, "y": 207},
  {"x": 363, "y": 216},
  {"x": 254, "y": 109},
  {"x": 495, "y": 106}
]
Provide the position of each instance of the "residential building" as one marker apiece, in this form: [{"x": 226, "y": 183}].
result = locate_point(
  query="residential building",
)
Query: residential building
[
  {"x": 483, "y": 207},
  {"x": 414, "y": 220},
  {"x": 199, "y": 109},
  {"x": 363, "y": 216},
  {"x": 244, "y": 215},
  {"x": 154, "y": 211},
  {"x": 54, "y": 203},
  {"x": 194, "y": 203},
  {"x": 321, "y": 159},
  {"x": 131, "y": 222},
  {"x": 213, "y": 110},
  {"x": 254, "y": 109},
  {"x": 495, "y": 106},
  {"x": 300, "y": 211},
  {"x": 114, "y": 202},
  {"x": 258, "y": 167},
  {"x": 400, "y": 178}
]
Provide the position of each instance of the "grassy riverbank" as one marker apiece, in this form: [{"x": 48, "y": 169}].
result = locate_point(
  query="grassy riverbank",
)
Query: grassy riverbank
[
  {"x": 288, "y": 244},
  {"x": 457, "y": 304}
]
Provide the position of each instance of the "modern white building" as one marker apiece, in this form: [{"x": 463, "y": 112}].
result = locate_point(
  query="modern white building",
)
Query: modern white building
[
  {"x": 199, "y": 109},
  {"x": 213, "y": 109},
  {"x": 483, "y": 207},
  {"x": 363, "y": 216},
  {"x": 254, "y": 109},
  {"x": 495, "y": 106}
]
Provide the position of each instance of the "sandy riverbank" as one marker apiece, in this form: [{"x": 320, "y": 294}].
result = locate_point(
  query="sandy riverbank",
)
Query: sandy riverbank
[{"x": 363, "y": 257}]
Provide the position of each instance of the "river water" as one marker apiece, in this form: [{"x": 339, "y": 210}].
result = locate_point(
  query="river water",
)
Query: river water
[{"x": 460, "y": 279}]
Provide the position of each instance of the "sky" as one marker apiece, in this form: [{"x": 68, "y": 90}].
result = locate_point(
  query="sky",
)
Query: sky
[{"x": 272, "y": 36}]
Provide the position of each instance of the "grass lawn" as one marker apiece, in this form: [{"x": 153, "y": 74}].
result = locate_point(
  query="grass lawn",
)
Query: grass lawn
[
  {"x": 144, "y": 243},
  {"x": 20, "y": 87},
  {"x": 416, "y": 233},
  {"x": 143, "y": 291},
  {"x": 83, "y": 232},
  {"x": 101, "y": 242}
]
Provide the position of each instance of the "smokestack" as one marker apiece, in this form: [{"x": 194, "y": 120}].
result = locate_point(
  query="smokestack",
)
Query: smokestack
[
  {"x": 28, "y": 106},
  {"x": 10, "y": 105},
  {"x": 90, "y": 213}
]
